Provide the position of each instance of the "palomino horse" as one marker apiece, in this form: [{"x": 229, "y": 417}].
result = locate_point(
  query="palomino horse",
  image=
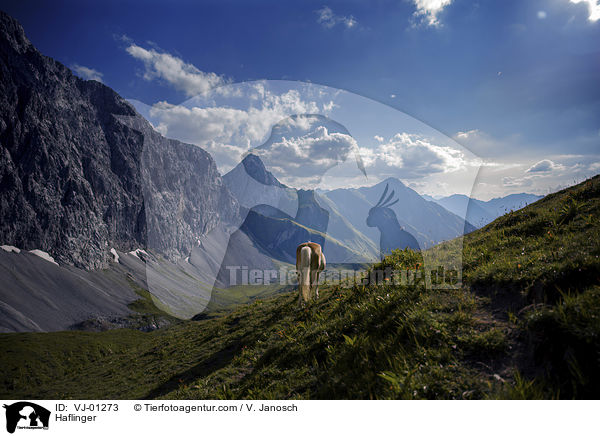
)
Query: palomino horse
[{"x": 310, "y": 261}]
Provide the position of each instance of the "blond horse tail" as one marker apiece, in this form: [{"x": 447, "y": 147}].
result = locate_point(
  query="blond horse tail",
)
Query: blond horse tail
[{"x": 304, "y": 273}]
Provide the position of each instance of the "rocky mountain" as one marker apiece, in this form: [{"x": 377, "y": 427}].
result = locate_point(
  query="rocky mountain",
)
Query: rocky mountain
[
  {"x": 82, "y": 172},
  {"x": 252, "y": 184},
  {"x": 96, "y": 206},
  {"x": 255, "y": 168}
]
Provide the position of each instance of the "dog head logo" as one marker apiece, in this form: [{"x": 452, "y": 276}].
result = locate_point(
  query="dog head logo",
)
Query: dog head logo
[{"x": 26, "y": 415}]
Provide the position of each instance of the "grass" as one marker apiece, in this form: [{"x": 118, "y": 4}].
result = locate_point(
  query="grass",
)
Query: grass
[
  {"x": 541, "y": 250},
  {"x": 540, "y": 268},
  {"x": 244, "y": 294},
  {"x": 269, "y": 349},
  {"x": 146, "y": 305},
  {"x": 526, "y": 324}
]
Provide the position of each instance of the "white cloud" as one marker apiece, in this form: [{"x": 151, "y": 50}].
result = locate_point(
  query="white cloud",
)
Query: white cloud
[
  {"x": 468, "y": 134},
  {"x": 538, "y": 171},
  {"x": 201, "y": 124},
  {"x": 328, "y": 107},
  {"x": 378, "y": 138},
  {"x": 296, "y": 123},
  {"x": 593, "y": 7},
  {"x": 182, "y": 76},
  {"x": 327, "y": 18},
  {"x": 227, "y": 132},
  {"x": 544, "y": 166},
  {"x": 307, "y": 156},
  {"x": 542, "y": 15},
  {"x": 197, "y": 125},
  {"x": 429, "y": 10},
  {"x": 87, "y": 73},
  {"x": 411, "y": 156}
]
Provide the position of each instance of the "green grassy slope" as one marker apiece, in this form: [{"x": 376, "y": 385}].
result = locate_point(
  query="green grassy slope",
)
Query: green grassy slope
[
  {"x": 540, "y": 267},
  {"x": 526, "y": 325}
]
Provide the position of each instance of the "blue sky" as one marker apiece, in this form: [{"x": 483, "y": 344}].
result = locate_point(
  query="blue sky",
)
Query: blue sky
[{"x": 515, "y": 82}]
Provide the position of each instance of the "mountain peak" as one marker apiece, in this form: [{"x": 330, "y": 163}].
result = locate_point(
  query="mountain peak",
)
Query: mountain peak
[
  {"x": 393, "y": 181},
  {"x": 255, "y": 168},
  {"x": 12, "y": 32}
]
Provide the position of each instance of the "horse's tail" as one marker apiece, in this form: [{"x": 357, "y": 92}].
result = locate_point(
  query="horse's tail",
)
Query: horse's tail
[{"x": 304, "y": 279}]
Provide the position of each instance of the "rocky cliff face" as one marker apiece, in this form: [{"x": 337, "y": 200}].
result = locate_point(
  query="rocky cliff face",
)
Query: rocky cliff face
[{"x": 81, "y": 171}]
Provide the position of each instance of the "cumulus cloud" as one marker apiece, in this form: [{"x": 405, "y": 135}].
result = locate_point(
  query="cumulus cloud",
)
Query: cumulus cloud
[
  {"x": 468, "y": 134},
  {"x": 297, "y": 123},
  {"x": 593, "y": 7},
  {"x": 174, "y": 71},
  {"x": 535, "y": 175},
  {"x": 328, "y": 107},
  {"x": 430, "y": 9},
  {"x": 226, "y": 131},
  {"x": 199, "y": 125},
  {"x": 544, "y": 166},
  {"x": 307, "y": 156},
  {"x": 411, "y": 156},
  {"x": 87, "y": 73},
  {"x": 327, "y": 18}
]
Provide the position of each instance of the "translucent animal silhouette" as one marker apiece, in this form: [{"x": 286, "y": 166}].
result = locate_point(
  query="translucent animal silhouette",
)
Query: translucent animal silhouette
[{"x": 392, "y": 235}]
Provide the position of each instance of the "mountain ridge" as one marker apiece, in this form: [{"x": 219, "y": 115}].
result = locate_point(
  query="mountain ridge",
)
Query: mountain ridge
[{"x": 85, "y": 182}]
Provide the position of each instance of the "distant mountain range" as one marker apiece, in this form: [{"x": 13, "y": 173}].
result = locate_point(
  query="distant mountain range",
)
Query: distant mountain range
[
  {"x": 280, "y": 217},
  {"x": 428, "y": 222},
  {"x": 478, "y": 212}
]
